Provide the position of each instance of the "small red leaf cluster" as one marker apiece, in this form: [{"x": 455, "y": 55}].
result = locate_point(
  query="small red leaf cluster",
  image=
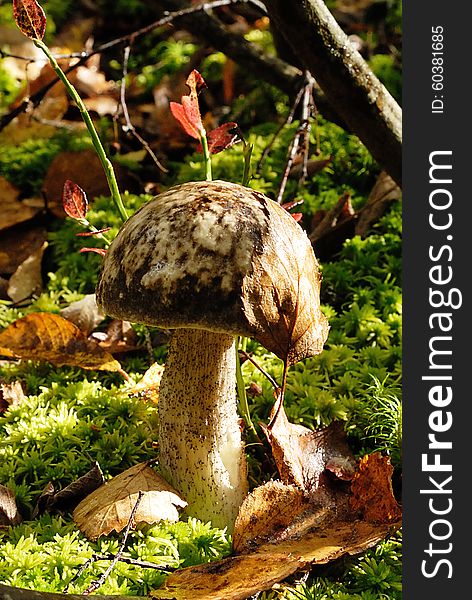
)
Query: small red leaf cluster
[
  {"x": 188, "y": 115},
  {"x": 30, "y": 18}
]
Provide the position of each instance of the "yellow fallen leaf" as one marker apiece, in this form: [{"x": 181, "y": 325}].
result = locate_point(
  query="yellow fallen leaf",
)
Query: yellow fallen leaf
[
  {"x": 109, "y": 507},
  {"x": 49, "y": 337}
]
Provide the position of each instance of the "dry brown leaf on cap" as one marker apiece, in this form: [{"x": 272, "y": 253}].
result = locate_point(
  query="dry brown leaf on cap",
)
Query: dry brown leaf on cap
[
  {"x": 9, "y": 514},
  {"x": 109, "y": 507},
  {"x": 27, "y": 280},
  {"x": 50, "y": 337}
]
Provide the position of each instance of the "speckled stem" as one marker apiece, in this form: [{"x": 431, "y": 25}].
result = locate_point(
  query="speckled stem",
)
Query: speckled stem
[{"x": 200, "y": 448}]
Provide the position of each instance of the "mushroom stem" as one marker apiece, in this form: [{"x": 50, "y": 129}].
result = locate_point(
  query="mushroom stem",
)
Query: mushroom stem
[{"x": 200, "y": 447}]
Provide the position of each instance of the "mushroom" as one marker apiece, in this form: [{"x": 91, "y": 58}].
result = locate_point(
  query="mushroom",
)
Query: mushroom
[{"x": 212, "y": 260}]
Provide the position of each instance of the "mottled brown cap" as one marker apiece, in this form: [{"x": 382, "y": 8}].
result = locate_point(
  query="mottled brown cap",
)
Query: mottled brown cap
[{"x": 219, "y": 256}]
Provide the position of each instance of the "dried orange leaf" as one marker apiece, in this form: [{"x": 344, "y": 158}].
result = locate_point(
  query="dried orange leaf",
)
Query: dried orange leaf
[
  {"x": 267, "y": 514},
  {"x": 372, "y": 493},
  {"x": 74, "y": 200},
  {"x": 30, "y": 18},
  {"x": 109, "y": 507},
  {"x": 306, "y": 458},
  {"x": 281, "y": 529},
  {"x": 240, "y": 577},
  {"x": 49, "y": 337}
]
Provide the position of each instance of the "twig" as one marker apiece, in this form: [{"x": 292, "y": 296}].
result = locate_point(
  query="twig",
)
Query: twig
[
  {"x": 269, "y": 377},
  {"x": 144, "y": 564},
  {"x": 101, "y": 580},
  {"x": 287, "y": 121},
  {"x": 129, "y": 126},
  {"x": 300, "y": 142}
]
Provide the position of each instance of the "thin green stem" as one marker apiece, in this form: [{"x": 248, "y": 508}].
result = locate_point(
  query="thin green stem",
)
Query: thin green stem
[
  {"x": 247, "y": 152},
  {"x": 241, "y": 388},
  {"x": 107, "y": 166},
  {"x": 206, "y": 155}
]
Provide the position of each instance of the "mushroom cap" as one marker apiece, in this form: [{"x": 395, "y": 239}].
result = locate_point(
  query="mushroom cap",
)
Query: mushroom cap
[{"x": 218, "y": 256}]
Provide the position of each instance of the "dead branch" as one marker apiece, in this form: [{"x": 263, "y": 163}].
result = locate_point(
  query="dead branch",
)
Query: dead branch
[{"x": 350, "y": 86}]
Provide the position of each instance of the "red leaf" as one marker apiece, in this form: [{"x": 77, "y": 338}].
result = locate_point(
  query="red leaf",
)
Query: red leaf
[
  {"x": 179, "y": 113},
  {"x": 188, "y": 113},
  {"x": 90, "y": 233},
  {"x": 30, "y": 18},
  {"x": 195, "y": 82},
  {"x": 297, "y": 216},
  {"x": 223, "y": 137},
  {"x": 74, "y": 200},
  {"x": 100, "y": 251}
]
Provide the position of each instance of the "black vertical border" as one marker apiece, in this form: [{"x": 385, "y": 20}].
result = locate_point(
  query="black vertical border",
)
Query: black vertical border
[{"x": 423, "y": 133}]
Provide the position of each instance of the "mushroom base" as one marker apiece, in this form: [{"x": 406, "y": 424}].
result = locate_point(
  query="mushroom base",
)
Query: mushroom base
[{"x": 200, "y": 447}]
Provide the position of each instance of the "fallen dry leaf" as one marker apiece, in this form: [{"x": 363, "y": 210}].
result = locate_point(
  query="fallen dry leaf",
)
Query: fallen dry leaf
[
  {"x": 27, "y": 280},
  {"x": 84, "y": 313},
  {"x": 11, "y": 394},
  {"x": 50, "y": 337},
  {"x": 240, "y": 577},
  {"x": 9, "y": 514},
  {"x": 70, "y": 496},
  {"x": 148, "y": 387},
  {"x": 308, "y": 458},
  {"x": 109, "y": 507},
  {"x": 268, "y": 513},
  {"x": 17, "y": 243},
  {"x": 372, "y": 494},
  {"x": 13, "y": 211}
]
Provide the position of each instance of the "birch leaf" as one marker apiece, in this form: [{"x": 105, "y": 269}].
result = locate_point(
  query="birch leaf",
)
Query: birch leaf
[
  {"x": 49, "y": 337},
  {"x": 109, "y": 507}
]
